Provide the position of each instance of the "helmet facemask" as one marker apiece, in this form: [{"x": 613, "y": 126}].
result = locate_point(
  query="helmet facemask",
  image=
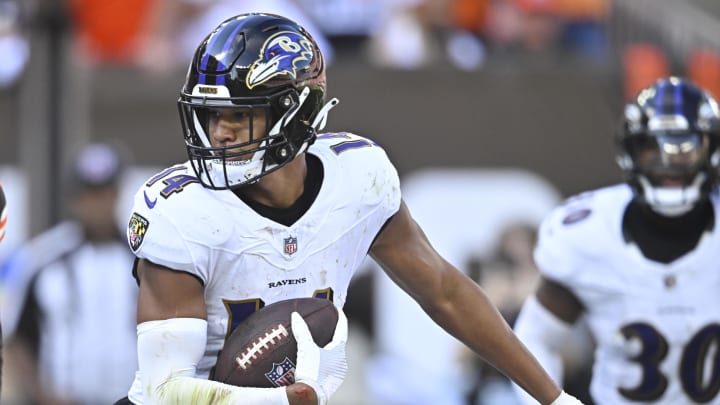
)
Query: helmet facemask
[
  {"x": 287, "y": 133},
  {"x": 670, "y": 170},
  {"x": 668, "y": 146}
]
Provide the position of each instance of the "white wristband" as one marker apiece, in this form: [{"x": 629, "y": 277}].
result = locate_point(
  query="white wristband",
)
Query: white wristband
[{"x": 566, "y": 399}]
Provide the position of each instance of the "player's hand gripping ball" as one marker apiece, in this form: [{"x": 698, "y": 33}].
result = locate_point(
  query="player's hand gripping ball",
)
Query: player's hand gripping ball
[{"x": 262, "y": 351}]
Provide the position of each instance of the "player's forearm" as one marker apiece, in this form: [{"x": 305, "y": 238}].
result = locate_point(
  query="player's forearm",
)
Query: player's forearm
[
  {"x": 469, "y": 315},
  {"x": 543, "y": 334}
]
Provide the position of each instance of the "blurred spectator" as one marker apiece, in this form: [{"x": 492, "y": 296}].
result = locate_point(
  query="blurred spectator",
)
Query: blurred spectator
[
  {"x": 178, "y": 27},
  {"x": 466, "y": 43},
  {"x": 703, "y": 68},
  {"x": 14, "y": 44},
  {"x": 509, "y": 275},
  {"x": 504, "y": 25},
  {"x": 347, "y": 18},
  {"x": 642, "y": 64},
  {"x": 417, "y": 33},
  {"x": 109, "y": 31},
  {"x": 3, "y": 214},
  {"x": 401, "y": 40},
  {"x": 575, "y": 27},
  {"x": 469, "y": 15},
  {"x": 584, "y": 32},
  {"x": 541, "y": 26},
  {"x": 3, "y": 221},
  {"x": 70, "y": 309}
]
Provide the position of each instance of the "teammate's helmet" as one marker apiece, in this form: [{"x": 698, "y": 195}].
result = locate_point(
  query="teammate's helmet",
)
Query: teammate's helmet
[
  {"x": 668, "y": 145},
  {"x": 248, "y": 63}
]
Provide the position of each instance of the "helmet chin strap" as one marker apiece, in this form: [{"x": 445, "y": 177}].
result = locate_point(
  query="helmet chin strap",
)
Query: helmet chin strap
[
  {"x": 321, "y": 118},
  {"x": 672, "y": 201},
  {"x": 285, "y": 119}
]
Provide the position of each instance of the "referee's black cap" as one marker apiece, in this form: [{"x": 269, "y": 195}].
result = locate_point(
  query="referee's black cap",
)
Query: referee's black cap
[{"x": 97, "y": 165}]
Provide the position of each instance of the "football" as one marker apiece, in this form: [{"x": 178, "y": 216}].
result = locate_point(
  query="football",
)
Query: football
[{"x": 262, "y": 351}]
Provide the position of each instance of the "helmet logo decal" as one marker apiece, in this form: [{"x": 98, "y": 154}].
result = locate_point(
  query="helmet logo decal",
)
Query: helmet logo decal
[{"x": 281, "y": 54}]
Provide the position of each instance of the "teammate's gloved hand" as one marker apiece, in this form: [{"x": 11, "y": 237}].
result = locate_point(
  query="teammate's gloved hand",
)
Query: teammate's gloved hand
[
  {"x": 566, "y": 399},
  {"x": 324, "y": 369}
]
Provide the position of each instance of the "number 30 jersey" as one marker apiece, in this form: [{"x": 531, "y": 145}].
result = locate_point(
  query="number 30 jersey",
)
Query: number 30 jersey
[
  {"x": 656, "y": 326},
  {"x": 246, "y": 261}
]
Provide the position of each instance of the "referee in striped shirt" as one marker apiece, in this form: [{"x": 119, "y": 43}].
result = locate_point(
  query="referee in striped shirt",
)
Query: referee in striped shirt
[{"x": 71, "y": 298}]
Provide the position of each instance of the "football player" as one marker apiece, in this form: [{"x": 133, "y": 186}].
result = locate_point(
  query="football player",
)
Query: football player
[
  {"x": 640, "y": 259},
  {"x": 267, "y": 209}
]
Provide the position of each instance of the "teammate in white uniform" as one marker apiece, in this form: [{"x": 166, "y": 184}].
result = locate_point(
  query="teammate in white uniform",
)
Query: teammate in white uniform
[
  {"x": 640, "y": 260},
  {"x": 266, "y": 210}
]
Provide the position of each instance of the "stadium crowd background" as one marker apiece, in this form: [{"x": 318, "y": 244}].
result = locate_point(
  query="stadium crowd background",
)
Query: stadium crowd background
[{"x": 492, "y": 109}]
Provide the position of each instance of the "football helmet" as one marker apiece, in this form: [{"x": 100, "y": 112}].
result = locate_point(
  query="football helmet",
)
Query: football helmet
[
  {"x": 251, "y": 66},
  {"x": 668, "y": 145}
]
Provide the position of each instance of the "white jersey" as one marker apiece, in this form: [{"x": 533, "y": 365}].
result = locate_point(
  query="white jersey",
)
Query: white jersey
[
  {"x": 656, "y": 326},
  {"x": 246, "y": 261}
]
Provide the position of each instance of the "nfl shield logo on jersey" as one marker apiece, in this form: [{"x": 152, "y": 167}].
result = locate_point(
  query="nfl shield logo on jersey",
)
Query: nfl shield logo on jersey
[{"x": 290, "y": 245}]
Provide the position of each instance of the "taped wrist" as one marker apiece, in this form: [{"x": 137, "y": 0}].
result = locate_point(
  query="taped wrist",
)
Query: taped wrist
[
  {"x": 170, "y": 347},
  {"x": 168, "y": 353},
  {"x": 186, "y": 390}
]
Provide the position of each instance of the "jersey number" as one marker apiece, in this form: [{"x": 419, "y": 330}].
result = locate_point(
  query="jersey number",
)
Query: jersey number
[
  {"x": 699, "y": 365},
  {"x": 173, "y": 184},
  {"x": 238, "y": 311},
  {"x": 350, "y": 142}
]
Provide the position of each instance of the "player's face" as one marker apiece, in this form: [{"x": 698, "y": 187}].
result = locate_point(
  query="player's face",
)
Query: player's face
[
  {"x": 229, "y": 126},
  {"x": 670, "y": 160}
]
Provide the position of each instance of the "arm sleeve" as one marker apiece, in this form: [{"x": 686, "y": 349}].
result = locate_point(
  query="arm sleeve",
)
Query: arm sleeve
[
  {"x": 543, "y": 333},
  {"x": 168, "y": 353}
]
